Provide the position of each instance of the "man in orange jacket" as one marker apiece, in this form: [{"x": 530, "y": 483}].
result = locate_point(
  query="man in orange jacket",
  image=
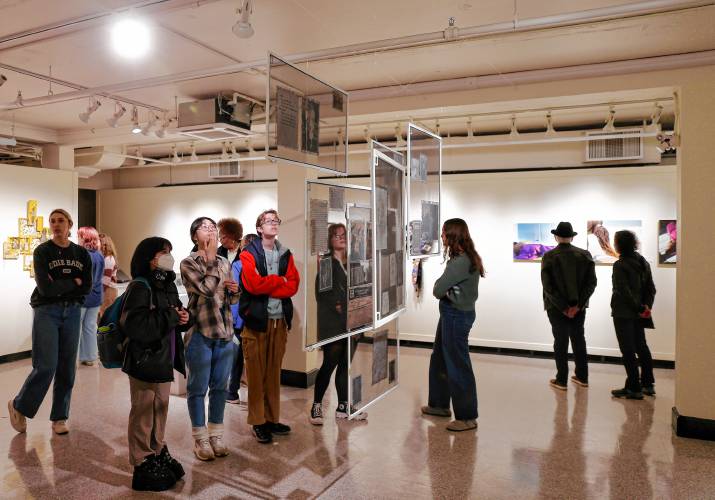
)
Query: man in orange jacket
[{"x": 268, "y": 280}]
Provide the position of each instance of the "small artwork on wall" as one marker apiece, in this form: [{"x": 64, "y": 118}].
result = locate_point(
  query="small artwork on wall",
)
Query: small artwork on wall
[
  {"x": 599, "y": 237},
  {"x": 532, "y": 240},
  {"x": 667, "y": 242}
]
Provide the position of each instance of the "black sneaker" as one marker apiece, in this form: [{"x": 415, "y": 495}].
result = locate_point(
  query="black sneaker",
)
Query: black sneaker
[
  {"x": 170, "y": 463},
  {"x": 151, "y": 475},
  {"x": 316, "y": 414},
  {"x": 262, "y": 433},
  {"x": 649, "y": 390},
  {"x": 342, "y": 412},
  {"x": 626, "y": 394},
  {"x": 277, "y": 428}
]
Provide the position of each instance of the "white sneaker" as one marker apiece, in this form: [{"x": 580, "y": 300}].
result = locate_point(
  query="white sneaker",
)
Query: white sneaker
[
  {"x": 203, "y": 449},
  {"x": 316, "y": 414},
  {"x": 342, "y": 412},
  {"x": 218, "y": 447}
]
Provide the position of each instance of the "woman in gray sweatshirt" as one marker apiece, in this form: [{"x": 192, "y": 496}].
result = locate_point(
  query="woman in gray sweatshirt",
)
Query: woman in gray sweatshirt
[{"x": 451, "y": 377}]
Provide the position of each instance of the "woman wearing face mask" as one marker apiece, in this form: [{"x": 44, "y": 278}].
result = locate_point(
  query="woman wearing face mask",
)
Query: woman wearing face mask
[
  {"x": 89, "y": 239},
  {"x": 209, "y": 345},
  {"x": 63, "y": 273},
  {"x": 152, "y": 318}
]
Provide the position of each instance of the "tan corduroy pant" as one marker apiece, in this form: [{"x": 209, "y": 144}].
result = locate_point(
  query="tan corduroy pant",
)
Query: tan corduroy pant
[
  {"x": 263, "y": 353},
  {"x": 147, "y": 418}
]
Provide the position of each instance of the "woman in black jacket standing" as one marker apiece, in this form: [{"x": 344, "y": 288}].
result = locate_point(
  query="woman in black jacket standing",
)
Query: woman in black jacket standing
[
  {"x": 152, "y": 319},
  {"x": 631, "y": 303}
]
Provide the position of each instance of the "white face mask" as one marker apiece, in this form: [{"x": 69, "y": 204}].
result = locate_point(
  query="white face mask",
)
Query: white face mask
[{"x": 165, "y": 262}]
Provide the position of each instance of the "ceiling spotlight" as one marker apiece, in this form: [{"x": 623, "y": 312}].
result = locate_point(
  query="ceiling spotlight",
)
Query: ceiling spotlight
[
  {"x": 550, "y": 132},
  {"x": 140, "y": 159},
  {"x": 135, "y": 121},
  {"x": 131, "y": 38},
  {"x": 224, "y": 152},
  {"x": 657, "y": 112},
  {"x": 94, "y": 105},
  {"x": 610, "y": 123},
  {"x": 119, "y": 111},
  {"x": 18, "y": 99},
  {"x": 3, "y": 79},
  {"x": 243, "y": 28},
  {"x": 174, "y": 155},
  {"x": 249, "y": 146},
  {"x": 194, "y": 157},
  {"x": 161, "y": 132},
  {"x": 149, "y": 124},
  {"x": 513, "y": 132},
  {"x": 232, "y": 147}
]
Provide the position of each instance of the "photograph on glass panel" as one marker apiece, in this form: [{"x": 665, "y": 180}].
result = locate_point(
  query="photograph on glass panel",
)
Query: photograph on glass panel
[
  {"x": 532, "y": 240},
  {"x": 360, "y": 292},
  {"x": 599, "y": 237},
  {"x": 424, "y": 152},
  {"x": 667, "y": 242},
  {"x": 304, "y": 118}
]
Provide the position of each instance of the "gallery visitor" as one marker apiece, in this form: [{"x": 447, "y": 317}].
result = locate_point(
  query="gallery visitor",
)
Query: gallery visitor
[
  {"x": 631, "y": 304},
  {"x": 332, "y": 321},
  {"x": 451, "y": 377},
  {"x": 63, "y": 275},
  {"x": 152, "y": 319},
  {"x": 232, "y": 396},
  {"x": 209, "y": 345},
  {"x": 89, "y": 239},
  {"x": 111, "y": 266},
  {"x": 269, "y": 279},
  {"x": 568, "y": 277},
  {"x": 230, "y": 232}
]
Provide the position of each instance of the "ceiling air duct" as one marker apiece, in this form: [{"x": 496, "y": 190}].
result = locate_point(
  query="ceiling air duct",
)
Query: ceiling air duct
[{"x": 216, "y": 119}]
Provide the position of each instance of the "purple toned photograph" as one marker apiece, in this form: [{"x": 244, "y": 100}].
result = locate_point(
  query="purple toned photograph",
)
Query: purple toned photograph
[{"x": 533, "y": 240}]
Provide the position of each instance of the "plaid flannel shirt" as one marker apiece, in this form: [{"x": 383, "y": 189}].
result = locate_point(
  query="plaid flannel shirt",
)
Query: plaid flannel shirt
[{"x": 209, "y": 302}]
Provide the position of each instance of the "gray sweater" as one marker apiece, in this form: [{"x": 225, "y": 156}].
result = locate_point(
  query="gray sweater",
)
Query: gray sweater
[{"x": 457, "y": 284}]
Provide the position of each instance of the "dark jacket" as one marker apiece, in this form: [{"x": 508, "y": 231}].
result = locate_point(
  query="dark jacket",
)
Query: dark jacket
[
  {"x": 149, "y": 320},
  {"x": 55, "y": 270},
  {"x": 257, "y": 285},
  {"x": 633, "y": 286},
  {"x": 223, "y": 252},
  {"x": 330, "y": 321},
  {"x": 568, "y": 275}
]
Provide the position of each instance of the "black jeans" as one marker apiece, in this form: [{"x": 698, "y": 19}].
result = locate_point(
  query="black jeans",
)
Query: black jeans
[
  {"x": 237, "y": 368},
  {"x": 335, "y": 354},
  {"x": 565, "y": 329},
  {"x": 631, "y": 340}
]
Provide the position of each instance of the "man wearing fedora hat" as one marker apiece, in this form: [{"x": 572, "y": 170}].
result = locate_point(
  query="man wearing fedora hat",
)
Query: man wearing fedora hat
[{"x": 568, "y": 276}]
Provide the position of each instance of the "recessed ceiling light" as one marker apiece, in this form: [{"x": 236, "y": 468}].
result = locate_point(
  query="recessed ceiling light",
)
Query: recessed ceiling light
[{"x": 131, "y": 38}]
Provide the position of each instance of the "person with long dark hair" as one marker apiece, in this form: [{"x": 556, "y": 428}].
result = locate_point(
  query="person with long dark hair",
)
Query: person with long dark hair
[
  {"x": 451, "y": 377},
  {"x": 631, "y": 304},
  {"x": 63, "y": 274},
  {"x": 332, "y": 321},
  {"x": 152, "y": 319}
]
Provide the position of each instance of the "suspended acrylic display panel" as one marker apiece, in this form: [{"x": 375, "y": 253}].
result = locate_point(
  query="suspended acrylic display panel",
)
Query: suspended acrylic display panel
[
  {"x": 373, "y": 366},
  {"x": 389, "y": 237},
  {"x": 306, "y": 119},
  {"x": 424, "y": 162},
  {"x": 338, "y": 264}
]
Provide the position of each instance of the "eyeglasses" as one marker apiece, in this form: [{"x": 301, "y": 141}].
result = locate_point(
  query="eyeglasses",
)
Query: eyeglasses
[
  {"x": 209, "y": 228},
  {"x": 272, "y": 222},
  {"x": 339, "y": 236}
]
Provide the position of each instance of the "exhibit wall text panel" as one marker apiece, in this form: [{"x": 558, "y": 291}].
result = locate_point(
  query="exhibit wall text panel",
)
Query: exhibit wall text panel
[
  {"x": 373, "y": 365},
  {"x": 424, "y": 163},
  {"x": 389, "y": 238},
  {"x": 27, "y": 194},
  {"x": 338, "y": 265},
  {"x": 306, "y": 119}
]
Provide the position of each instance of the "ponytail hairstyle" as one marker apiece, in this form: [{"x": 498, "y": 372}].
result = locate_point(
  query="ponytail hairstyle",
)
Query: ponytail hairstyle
[{"x": 459, "y": 241}]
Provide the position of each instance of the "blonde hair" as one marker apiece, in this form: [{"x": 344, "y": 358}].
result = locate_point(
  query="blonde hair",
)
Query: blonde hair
[{"x": 107, "y": 246}]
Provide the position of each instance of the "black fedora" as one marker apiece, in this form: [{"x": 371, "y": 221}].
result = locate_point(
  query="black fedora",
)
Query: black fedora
[{"x": 564, "y": 230}]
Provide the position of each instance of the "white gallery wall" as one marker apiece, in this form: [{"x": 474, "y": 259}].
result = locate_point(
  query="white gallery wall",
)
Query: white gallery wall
[
  {"x": 52, "y": 189},
  {"x": 130, "y": 215},
  {"x": 510, "y": 308}
]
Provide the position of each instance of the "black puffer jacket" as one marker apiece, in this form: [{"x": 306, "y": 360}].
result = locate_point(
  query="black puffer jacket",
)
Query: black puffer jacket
[
  {"x": 633, "y": 286},
  {"x": 147, "y": 319}
]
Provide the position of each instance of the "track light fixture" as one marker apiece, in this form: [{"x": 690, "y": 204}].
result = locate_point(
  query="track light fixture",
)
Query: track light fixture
[
  {"x": 161, "y": 131},
  {"x": 232, "y": 148},
  {"x": 610, "y": 123},
  {"x": 550, "y": 132},
  {"x": 18, "y": 99},
  {"x": 224, "y": 151},
  {"x": 175, "y": 155},
  {"x": 140, "y": 159},
  {"x": 655, "y": 117},
  {"x": 194, "y": 156},
  {"x": 470, "y": 128},
  {"x": 513, "y": 132},
  {"x": 146, "y": 129},
  {"x": 119, "y": 111},
  {"x": 243, "y": 27},
  {"x": 94, "y": 105},
  {"x": 135, "y": 121}
]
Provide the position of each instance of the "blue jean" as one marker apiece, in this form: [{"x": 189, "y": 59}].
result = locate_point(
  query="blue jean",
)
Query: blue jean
[
  {"x": 55, "y": 338},
  {"x": 450, "y": 370},
  {"x": 209, "y": 362},
  {"x": 88, "y": 334}
]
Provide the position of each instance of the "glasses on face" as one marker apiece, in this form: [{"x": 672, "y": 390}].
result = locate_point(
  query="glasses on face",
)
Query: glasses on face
[
  {"x": 272, "y": 222},
  {"x": 209, "y": 228},
  {"x": 339, "y": 236}
]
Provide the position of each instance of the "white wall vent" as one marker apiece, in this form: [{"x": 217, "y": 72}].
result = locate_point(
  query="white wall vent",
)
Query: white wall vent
[
  {"x": 225, "y": 170},
  {"x": 615, "y": 148}
]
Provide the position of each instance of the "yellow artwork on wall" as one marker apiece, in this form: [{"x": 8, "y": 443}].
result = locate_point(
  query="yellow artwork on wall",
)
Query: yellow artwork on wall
[{"x": 30, "y": 233}]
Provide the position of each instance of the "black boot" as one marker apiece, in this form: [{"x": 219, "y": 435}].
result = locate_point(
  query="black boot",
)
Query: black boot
[
  {"x": 171, "y": 463},
  {"x": 151, "y": 475}
]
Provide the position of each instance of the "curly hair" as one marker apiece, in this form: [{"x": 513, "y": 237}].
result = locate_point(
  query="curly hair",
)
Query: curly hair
[
  {"x": 232, "y": 228},
  {"x": 89, "y": 237}
]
